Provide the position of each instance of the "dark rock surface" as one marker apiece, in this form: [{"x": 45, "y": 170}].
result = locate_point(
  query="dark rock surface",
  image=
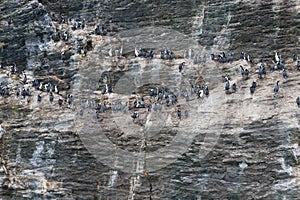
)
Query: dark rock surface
[{"x": 243, "y": 146}]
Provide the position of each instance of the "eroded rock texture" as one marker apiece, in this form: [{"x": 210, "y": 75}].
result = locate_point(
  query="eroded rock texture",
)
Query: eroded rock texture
[{"x": 242, "y": 146}]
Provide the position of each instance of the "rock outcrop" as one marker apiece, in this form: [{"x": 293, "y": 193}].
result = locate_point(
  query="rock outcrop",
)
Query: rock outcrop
[{"x": 227, "y": 146}]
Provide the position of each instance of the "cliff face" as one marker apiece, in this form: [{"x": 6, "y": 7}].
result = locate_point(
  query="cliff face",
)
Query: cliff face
[{"x": 230, "y": 146}]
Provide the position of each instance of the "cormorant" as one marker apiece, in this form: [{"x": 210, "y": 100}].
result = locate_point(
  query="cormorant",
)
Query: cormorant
[
  {"x": 24, "y": 93},
  {"x": 104, "y": 107},
  {"x": 18, "y": 92},
  {"x": 233, "y": 87},
  {"x": 206, "y": 90},
  {"x": 181, "y": 66},
  {"x": 298, "y": 101},
  {"x": 39, "y": 98},
  {"x": 60, "y": 101},
  {"x": 70, "y": 99},
  {"x": 276, "y": 87},
  {"x": 135, "y": 115},
  {"x": 149, "y": 108},
  {"x": 252, "y": 88},
  {"x": 276, "y": 58},
  {"x": 179, "y": 114},
  {"x": 227, "y": 86},
  {"x": 51, "y": 97},
  {"x": 284, "y": 74},
  {"x": 262, "y": 70},
  {"x": 295, "y": 57},
  {"x": 24, "y": 79}
]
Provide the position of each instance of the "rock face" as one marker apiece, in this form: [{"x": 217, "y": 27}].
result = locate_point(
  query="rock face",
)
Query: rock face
[{"x": 230, "y": 146}]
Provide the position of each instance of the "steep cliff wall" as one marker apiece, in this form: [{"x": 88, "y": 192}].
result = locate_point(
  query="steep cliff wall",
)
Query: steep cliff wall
[{"x": 231, "y": 146}]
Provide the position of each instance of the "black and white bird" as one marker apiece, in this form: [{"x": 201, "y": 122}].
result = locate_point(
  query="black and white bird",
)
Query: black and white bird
[
  {"x": 273, "y": 66},
  {"x": 298, "y": 101},
  {"x": 9, "y": 21},
  {"x": 99, "y": 105},
  {"x": 13, "y": 68},
  {"x": 233, "y": 87},
  {"x": 167, "y": 100},
  {"x": 276, "y": 87},
  {"x": 248, "y": 58},
  {"x": 35, "y": 84},
  {"x": 18, "y": 92},
  {"x": 70, "y": 99},
  {"x": 160, "y": 96},
  {"x": 40, "y": 86},
  {"x": 100, "y": 30},
  {"x": 104, "y": 107},
  {"x": 149, "y": 108},
  {"x": 262, "y": 70},
  {"x": 181, "y": 65},
  {"x": 142, "y": 103},
  {"x": 24, "y": 79},
  {"x": 48, "y": 87},
  {"x": 51, "y": 97},
  {"x": 24, "y": 93},
  {"x": 97, "y": 30},
  {"x": 60, "y": 101},
  {"x": 243, "y": 56},
  {"x": 174, "y": 99},
  {"x": 56, "y": 89},
  {"x": 39, "y": 98},
  {"x": 280, "y": 65},
  {"x": 162, "y": 54},
  {"x": 295, "y": 57},
  {"x": 65, "y": 36},
  {"x": 97, "y": 114},
  {"x": 85, "y": 50},
  {"x": 135, "y": 104},
  {"x": 284, "y": 74},
  {"x": 254, "y": 84},
  {"x": 206, "y": 91},
  {"x": 276, "y": 57},
  {"x": 227, "y": 86},
  {"x": 252, "y": 87},
  {"x": 135, "y": 115},
  {"x": 244, "y": 72},
  {"x": 179, "y": 114}
]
